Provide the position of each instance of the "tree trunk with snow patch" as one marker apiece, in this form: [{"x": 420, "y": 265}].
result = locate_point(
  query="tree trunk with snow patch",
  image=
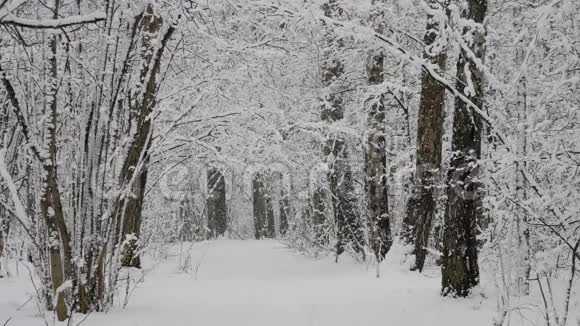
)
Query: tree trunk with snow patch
[{"x": 216, "y": 202}]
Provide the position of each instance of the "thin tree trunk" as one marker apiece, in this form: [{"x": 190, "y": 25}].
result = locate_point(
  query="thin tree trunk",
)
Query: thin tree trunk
[
  {"x": 421, "y": 206},
  {"x": 460, "y": 270},
  {"x": 376, "y": 164},
  {"x": 348, "y": 224},
  {"x": 4, "y": 230},
  {"x": 50, "y": 202},
  {"x": 521, "y": 165},
  {"x": 4, "y": 216}
]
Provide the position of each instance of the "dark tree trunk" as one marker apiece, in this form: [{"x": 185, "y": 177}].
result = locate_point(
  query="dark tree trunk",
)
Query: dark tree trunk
[
  {"x": 284, "y": 204},
  {"x": 460, "y": 270},
  {"x": 376, "y": 165},
  {"x": 264, "y": 219},
  {"x": 421, "y": 206},
  {"x": 129, "y": 209},
  {"x": 259, "y": 205},
  {"x": 132, "y": 205},
  {"x": 51, "y": 209},
  {"x": 216, "y": 202}
]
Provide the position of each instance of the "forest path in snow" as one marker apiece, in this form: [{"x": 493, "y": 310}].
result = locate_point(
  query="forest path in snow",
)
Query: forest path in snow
[{"x": 265, "y": 283}]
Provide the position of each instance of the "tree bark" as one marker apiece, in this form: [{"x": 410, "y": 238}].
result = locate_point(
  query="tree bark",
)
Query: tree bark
[
  {"x": 376, "y": 164},
  {"x": 129, "y": 210},
  {"x": 460, "y": 270},
  {"x": 216, "y": 203},
  {"x": 50, "y": 202},
  {"x": 422, "y": 205},
  {"x": 348, "y": 224},
  {"x": 331, "y": 110},
  {"x": 259, "y": 205}
]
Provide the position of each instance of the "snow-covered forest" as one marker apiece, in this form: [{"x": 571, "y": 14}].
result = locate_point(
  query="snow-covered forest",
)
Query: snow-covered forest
[{"x": 290, "y": 162}]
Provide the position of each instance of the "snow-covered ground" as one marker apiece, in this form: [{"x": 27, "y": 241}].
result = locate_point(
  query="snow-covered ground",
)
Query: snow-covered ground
[{"x": 228, "y": 282}]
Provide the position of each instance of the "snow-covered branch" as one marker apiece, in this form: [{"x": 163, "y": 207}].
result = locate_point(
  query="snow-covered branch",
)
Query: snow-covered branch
[
  {"x": 19, "y": 212},
  {"x": 11, "y": 19}
]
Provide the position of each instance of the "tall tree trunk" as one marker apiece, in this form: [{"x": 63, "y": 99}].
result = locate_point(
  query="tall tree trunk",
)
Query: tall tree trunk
[
  {"x": 460, "y": 270},
  {"x": 216, "y": 202},
  {"x": 331, "y": 110},
  {"x": 50, "y": 202},
  {"x": 134, "y": 171},
  {"x": 421, "y": 206},
  {"x": 376, "y": 164},
  {"x": 348, "y": 224}
]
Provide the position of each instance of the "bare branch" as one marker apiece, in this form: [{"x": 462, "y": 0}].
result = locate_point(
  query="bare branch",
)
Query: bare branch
[{"x": 53, "y": 23}]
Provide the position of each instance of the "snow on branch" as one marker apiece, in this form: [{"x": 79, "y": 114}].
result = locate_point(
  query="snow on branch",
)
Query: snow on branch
[
  {"x": 19, "y": 212},
  {"x": 11, "y": 19}
]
